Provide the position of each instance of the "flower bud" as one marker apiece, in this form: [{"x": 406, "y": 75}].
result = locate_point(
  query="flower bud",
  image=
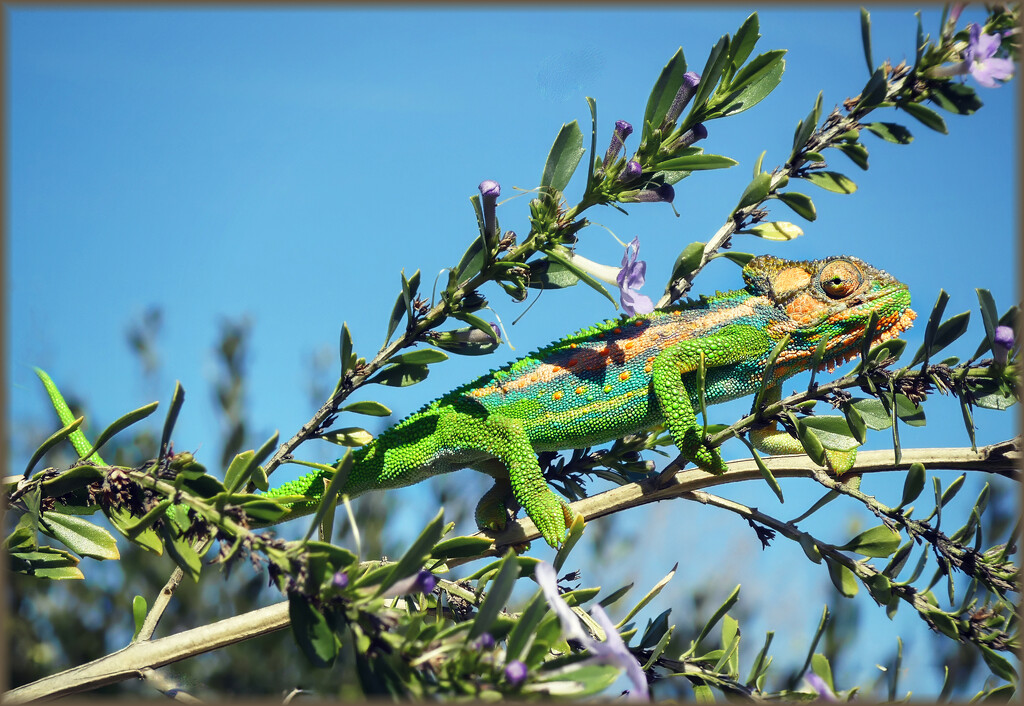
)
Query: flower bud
[
  {"x": 686, "y": 90},
  {"x": 619, "y": 135},
  {"x": 1002, "y": 343},
  {"x": 662, "y": 192},
  {"x": 694, "y": 134},
  {"x": 631, "y": 171},
  {"x": 489, "y": 190},
  {"x": 515, "y": 672}
]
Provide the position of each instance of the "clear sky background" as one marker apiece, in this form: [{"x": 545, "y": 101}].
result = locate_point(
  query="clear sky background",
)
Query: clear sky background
[{"x": 286, "y": 165}]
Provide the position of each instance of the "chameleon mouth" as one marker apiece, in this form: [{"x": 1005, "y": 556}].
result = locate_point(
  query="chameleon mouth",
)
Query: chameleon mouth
[{"x": 889, "y": 328}]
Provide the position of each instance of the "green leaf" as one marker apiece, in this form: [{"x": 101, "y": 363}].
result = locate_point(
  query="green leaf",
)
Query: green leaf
[
  {"x": 999, "y": 665},
  {"x": 924, "y": 352},
  {"x": 80, "y": 536},
  {"x": 956, "y": 98},
  {"x": 776, "y": 230},
  {"x": 989, "y": 317},
  {"x": 832, "y": 432},
  {"x": 842, "y": 578},
  {"x": 753, "y": 83},
  {"x": 821, "y": 667},
  {"x": 563, "y": 158},
  {"x": 865, "y": 38},
  {"x": 233, "y": 477},
  {"x": 664, "y": 91},
  {"x": 927, "y": 116},
  {"x": 756, "y": 191},
  {"x": 880, "y": 542},
  {"x": 46, "y": 563},
  {"x": 497, "y": 596},
  {"x": 806, "y": 126},
  {"x": 711, "y": 74},
  {"x": 417, "y": 553},
  {"x": 944, "y": 622},
  {"x": 768, "y": 476},
  {"x": 347, "y": 436},
  {"x": 139, "y": 609},
  {"x": 469, "y": 266},
  {"x": 831, "y": 181},
  {"x": 891, "y": 132},
  {"x": 713, "y": 620},
  {"x": 951, "y": 329},
  {"x": 856, "y": 423},
  {"x": 740, "y": 258},
  {"x": 122, "y": 423},
  {"x": 401, "y": 375},
  {"x": 72, "y": 479},
  {"x": 422, "y": 355},
  {"x": 913, "y": 484},
  {"x": 952, "y": 489},
  {"x": 523, "y": 631},
  {"x": 688, "y": 260},
  {"x": 800, "y": 203},
  {"x": 652, "y": 594},
  {"x": 695, "y": 162},
  {"x": 857, "y": 153},
  {"x": 581, "y": 274},
  {"x": 460, "y": 547},
  {"x": 345, "y": 347},
  {"x": 182, "y": 553},
  {"x": 744, "y": 40},
  {"x": 177, "y": 400},
  {"x": 909, "y": 412},
  {"x": 874, "y": 90},
  {"x": 329, "y": 499},
  {"x": 809, "y": 440},
  {"x": 547, "y": 274},
  {"x": 311, "y": 631},
  {"x": 376, "y": 409},
  {"x": 54, "y": 439}
]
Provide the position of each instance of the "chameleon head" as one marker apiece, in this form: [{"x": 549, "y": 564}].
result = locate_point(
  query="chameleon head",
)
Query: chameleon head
[{"x": 832, "y": 299}]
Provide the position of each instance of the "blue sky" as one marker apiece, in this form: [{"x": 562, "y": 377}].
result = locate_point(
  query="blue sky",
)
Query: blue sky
[{"x": 286, "y": 165}]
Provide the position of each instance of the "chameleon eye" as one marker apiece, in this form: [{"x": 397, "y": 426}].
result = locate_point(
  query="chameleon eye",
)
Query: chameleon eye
[{"x": 840, "y": 279}]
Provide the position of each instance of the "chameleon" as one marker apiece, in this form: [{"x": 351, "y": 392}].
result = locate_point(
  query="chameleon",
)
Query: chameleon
[
  {"x": 625, "y": 376},
  {"x": 629, "y": 375}
]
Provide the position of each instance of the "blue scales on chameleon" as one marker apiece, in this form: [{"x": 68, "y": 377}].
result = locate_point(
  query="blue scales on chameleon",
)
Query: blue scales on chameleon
[{"x": 630, "y": 375}]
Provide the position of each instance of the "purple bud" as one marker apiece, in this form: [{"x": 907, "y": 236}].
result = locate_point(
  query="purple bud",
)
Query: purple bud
[
  {"x": 339, "y": 580},
  {"x": 686, "y": 90},
  {"x": 485, "y": 641},
  {"x": 663, "y": 192},
  {"x": 489, "y": 190},
  {"x": 421, "y": 582},
  {"x": 515, "y": 672},
  {"x": 619, "y": 135},
  {"x": 694, "y": 134},
  {"x": 1002, "y": 343},
  {"x": 632, "y": 171}
]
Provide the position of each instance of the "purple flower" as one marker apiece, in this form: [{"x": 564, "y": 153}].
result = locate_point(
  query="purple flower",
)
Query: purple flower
[
  {"x": 662, "y": 192},
  {"x": 515, "y": 672},
  {"x": 619, "y": 135},
  {"x": 1002, "y": 343},
  {"x": 981, "y": 61},
  {"x": 694, "y": 134},
  {"x": 490, "y": 191},
  {"x": 484, "y": 642},
  {"x": 631, "y": 171},
  {"x": 611, "y": 651},
  {"x": 339, "y": 580},
  {"x": 421, "y": 582},
  {"x": 820, "y": 687},
  {"x": 686, "y": 90},
  {"x": 630, "y": 279}
]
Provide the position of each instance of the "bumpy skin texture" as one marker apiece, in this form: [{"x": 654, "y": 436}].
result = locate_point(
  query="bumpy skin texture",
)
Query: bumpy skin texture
[{"x": 628, "y": 375}]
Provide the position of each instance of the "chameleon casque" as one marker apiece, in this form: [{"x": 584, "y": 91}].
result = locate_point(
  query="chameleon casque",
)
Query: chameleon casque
[{"x": 629, "y": 375}]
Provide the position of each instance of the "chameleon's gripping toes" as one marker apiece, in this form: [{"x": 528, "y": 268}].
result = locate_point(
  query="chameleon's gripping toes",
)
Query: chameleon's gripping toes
[{"x": 628, "y": 375}]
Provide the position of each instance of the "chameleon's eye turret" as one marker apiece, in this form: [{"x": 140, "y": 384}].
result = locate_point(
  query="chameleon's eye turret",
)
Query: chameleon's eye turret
[{"x": 841, "y": 278}]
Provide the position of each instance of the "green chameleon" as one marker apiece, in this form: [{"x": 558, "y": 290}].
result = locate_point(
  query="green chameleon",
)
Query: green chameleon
[{"x": 625, "y": 376}]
